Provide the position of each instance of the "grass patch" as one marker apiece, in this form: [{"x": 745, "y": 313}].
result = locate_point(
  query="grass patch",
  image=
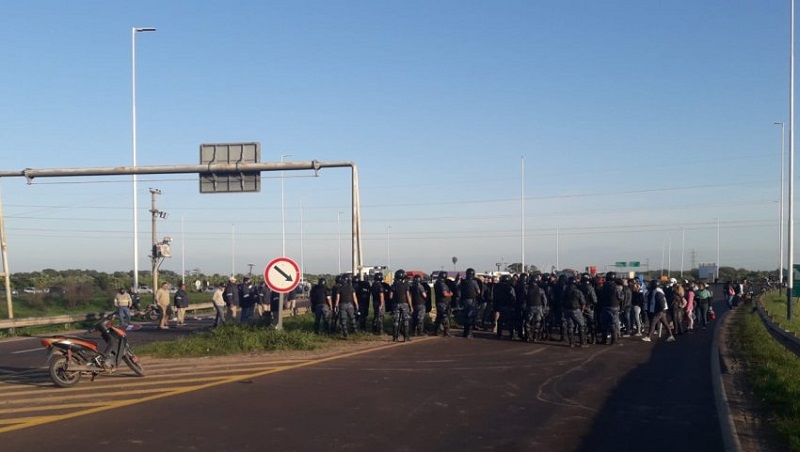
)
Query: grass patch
[
  {"x": 775, "y": 303},
  {"x": 772, "y": 372},
  {"x": 231, "y": 339}
]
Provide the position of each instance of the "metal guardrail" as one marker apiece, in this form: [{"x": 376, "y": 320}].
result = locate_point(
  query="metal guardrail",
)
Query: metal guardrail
[
  {"x": 786, "y": 337},
  {"x": 8, "y": 324}
]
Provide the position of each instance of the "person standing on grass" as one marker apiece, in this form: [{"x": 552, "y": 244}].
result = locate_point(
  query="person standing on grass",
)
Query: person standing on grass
[
  {"x": 218, "y": 299},
  {"x": 231, "y": 295},
  {"x": 320, "y": 298}
]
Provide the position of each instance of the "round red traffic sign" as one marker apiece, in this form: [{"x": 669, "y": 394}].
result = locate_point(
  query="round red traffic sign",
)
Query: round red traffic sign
[{"x": 282, "y": 274}]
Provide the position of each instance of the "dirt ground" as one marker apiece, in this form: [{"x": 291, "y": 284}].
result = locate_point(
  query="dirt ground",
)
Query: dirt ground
[{"x": 749, "y": 415}]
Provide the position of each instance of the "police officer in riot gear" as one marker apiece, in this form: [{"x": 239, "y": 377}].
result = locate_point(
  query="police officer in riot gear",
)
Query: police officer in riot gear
[
  {"x": 505, "y": 302},
  {"x": 587, "y": 288},
  {"x": 443, "y": 296},
  {"x": 469, "y": 291},
  {"x": 320, "y": 305},
  {"x": 556, "y": 300},
  {"x": 612, "y": 297},
  {"x": 521, "y": 291},
  {"x": 573, "y": 304},
  {"x": 362, "y": 289},
  {"x": 418, "y": 300},
  {"x": 401, "y": 305},
  {"x": 378, "y": 302},
  {"x": 535, "y": 301},
  {"x": 347, "y": 305}
]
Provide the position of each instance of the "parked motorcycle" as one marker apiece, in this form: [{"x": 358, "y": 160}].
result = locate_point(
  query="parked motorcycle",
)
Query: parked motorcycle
[
  {"x": 69, "y": 357},
  {"x": 151, "y": 311}
]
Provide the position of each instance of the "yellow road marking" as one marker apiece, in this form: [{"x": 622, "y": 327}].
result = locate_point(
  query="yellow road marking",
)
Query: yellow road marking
[
  {"x": 49, "y": 407},
  {"x": 184, "y": 390},
  {"x": 58, "y": 393}
]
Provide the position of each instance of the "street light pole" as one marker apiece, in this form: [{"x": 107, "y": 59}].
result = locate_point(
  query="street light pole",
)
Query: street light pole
[
  {"x": 717, "y": 277},
  {"x": 135, "y": 30},
  {"x": 283, "y": 213},
  {"x": 780, "y": 214},
  {"x": 339, "y": 238},
  {"x": 388, "y": 265},
  {"x": 790, "y": 213}
]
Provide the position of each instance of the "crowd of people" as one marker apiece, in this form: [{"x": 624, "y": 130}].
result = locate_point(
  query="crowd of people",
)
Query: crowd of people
[{"x": 577, "y": 309}]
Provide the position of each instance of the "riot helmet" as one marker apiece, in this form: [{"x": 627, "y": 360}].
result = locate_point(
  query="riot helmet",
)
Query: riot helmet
[
  {"x": 378, "y": 276},
  {"x": 470, "y": 273},
  {"x": 400, "y": 275}
]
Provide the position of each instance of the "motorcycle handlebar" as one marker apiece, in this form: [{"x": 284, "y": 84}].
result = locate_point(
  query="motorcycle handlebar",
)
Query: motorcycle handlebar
[{"x": 101, "y": 324}]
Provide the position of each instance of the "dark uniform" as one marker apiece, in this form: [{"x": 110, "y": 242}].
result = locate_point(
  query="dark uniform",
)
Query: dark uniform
[
  {"x": 401, "y": 305},
  {"x": 469, "y": 291},
  {"x": 444, "y": 297},
  {"x": 590, "y": 295},
  {"x": 521, "y": 292},
  {"x": 535, "y": 302},
  {"x": 611, "y": 299},
  {"x": 363, "y": 290},
  {"x": 320, "y": 305},
  {"x": 347, "y": 304},
  {"x": 556, "y": 305},
  {"x": 505, "y": 302},
  {"x": 379, "y": 296},
  {"x": 248, "y": 296},
  {"x": 418, "y": 300},
  {"x": 573, "y": 305}
]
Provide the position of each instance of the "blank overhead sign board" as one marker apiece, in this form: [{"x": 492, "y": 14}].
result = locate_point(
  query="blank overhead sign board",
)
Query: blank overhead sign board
[{"x": 231, "y": 154}]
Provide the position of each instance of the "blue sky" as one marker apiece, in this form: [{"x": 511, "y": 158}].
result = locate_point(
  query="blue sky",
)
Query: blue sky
[{"x": 641, "y": 123}]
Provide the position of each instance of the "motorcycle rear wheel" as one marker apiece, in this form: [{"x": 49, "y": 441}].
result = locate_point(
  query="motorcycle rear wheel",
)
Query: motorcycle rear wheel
[
  {"x": 133, "y": 362},
  {"x": 62, "y": 377},
  {"x": 153, "y": 314}
]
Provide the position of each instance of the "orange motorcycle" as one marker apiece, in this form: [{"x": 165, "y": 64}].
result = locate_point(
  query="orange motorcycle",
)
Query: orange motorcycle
[{"x": 69, "y": 357}]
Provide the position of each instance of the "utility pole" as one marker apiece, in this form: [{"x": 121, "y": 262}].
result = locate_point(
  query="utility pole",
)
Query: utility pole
[{"x": 160, "y": 249}]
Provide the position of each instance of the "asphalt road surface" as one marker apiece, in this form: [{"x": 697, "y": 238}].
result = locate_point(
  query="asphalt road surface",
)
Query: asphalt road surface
[{"x": 438, "y": 394}]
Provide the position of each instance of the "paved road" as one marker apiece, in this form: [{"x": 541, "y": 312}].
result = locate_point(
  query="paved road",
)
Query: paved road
[{"x": 432, "y": 394}]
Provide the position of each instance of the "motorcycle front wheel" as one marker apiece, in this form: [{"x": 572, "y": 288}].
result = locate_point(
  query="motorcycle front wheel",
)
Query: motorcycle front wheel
[
  {"x": 62, "y": 377},
  {"x": 154, "y": 314},
  {"x": 133, "y": 362}
]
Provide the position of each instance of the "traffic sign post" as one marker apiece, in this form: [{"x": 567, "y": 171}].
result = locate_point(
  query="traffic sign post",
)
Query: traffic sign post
[{"x": 282, "y": 275}]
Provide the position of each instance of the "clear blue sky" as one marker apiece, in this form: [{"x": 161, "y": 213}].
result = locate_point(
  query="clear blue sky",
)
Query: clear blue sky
[{"x": 641, "y": 122}]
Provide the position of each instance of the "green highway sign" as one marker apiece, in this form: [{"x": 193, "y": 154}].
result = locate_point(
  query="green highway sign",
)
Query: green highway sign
[
  {"x": 634, "y": 264},
  {"x": 620, "y": 264}
]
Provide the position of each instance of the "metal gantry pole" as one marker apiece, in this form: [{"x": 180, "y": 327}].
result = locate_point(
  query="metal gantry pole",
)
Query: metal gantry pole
[{"x": 217, "y": 168}]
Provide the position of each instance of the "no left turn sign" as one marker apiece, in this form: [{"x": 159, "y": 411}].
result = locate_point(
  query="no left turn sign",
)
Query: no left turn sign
[{"x": 282, "y": 274}]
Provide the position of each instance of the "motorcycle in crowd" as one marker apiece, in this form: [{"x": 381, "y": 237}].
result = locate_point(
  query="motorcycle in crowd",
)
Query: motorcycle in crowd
[{"x": 70, "y": 357}]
